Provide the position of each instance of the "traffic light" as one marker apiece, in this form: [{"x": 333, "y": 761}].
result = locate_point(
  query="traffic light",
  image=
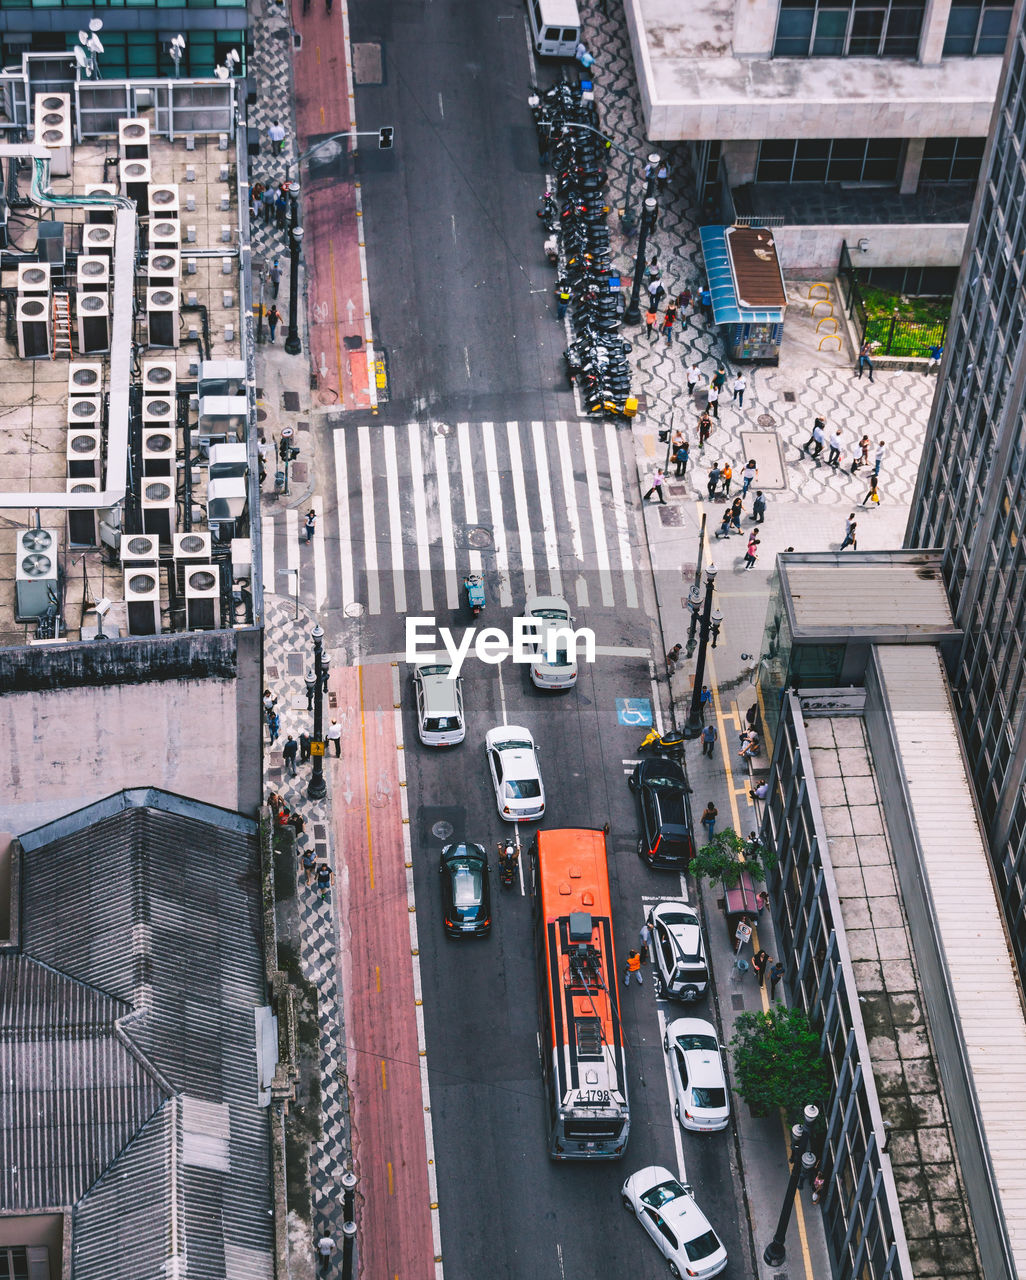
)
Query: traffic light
[{"x": 385, "y": 138}]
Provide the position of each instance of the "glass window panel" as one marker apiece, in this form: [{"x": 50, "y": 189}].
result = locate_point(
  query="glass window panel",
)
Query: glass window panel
[
  {"x": 961, "y": 33},
  {"x": 993, "y": 31},
  {"x": 831, "y": 28},
  {"x": 866, "y": 29},
  {"x": 794, "y": 30}
]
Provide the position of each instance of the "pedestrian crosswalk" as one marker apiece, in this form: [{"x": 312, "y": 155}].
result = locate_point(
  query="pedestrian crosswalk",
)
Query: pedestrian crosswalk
[{"x": 536, "y": 508}]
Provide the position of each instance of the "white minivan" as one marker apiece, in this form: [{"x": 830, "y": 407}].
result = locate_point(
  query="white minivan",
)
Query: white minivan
[{"x": 555, "y": 27}]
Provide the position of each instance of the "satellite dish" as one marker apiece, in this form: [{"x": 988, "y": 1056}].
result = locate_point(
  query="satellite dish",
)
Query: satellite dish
[
  {"x": 83, "y": 37},
  {"x": 80, "y": 56},
  {"x": 95, "y": 24},
  {"x": 221, "y": 73},
  {"x": 95, "y": 45}
]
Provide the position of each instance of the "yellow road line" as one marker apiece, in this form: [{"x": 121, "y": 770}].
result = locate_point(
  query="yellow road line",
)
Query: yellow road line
[{"x": 384, "y": 1079}]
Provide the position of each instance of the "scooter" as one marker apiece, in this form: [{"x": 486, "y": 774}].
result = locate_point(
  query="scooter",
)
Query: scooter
[
  {"x": 509, "y": 857},
  {"x": 671, "y": 743},
  {"x": 474, "y": 588}
]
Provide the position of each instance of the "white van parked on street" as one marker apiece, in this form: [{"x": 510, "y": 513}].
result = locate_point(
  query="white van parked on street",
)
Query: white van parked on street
[{"x": 555, "y": 27}]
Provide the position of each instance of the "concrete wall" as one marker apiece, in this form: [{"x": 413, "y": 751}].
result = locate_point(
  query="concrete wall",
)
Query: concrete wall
[{"x": 804, "y": 250}]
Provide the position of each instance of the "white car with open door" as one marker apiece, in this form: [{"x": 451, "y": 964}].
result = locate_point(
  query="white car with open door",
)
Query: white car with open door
[{"x": 513, "y": 764}]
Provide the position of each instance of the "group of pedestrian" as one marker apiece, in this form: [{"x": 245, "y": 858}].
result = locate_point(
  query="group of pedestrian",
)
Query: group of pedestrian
[
  {"x": 271, "y": 202},
  {"x": 834, "y": 444},
  {"x": 765, "y": 967}
]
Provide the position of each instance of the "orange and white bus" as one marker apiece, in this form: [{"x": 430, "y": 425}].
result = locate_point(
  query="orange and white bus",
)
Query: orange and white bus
[{"x": 578, "y": 998}]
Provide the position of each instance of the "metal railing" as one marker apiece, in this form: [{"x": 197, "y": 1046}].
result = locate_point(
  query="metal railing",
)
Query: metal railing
[{"x": 892, "y": 335}]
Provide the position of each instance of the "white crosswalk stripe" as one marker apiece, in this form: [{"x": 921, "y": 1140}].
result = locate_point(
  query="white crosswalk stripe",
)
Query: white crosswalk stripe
[{"x": 534, "y": 507}]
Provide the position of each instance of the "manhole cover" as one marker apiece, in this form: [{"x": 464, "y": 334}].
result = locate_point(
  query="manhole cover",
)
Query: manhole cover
[
  {"x": 443, "y": 429},
  {"x": 766, "y": 420},
  {"x": 353, "y": 342},
  {"x": 789, "y": 397},
  {"x": 290, "y": 401},
  {"x": 379, "y": 799},
  {"x": 478, "y": 537},
  {"x": 367, "y": 63},
  {"x": 354, "y": 610},
  {"x": 442, "y": 831},
  {"x": 673, "y": 516},
  {"x": 261, "y": 415}
]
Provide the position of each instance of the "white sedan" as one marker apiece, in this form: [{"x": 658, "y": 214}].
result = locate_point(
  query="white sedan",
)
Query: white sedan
[
  {"x": 549, "y": 613},
  {"x": 702, "y": 1102},
  {"x": 513, "y": 762},
  {"x": 668, "y": 1212}
]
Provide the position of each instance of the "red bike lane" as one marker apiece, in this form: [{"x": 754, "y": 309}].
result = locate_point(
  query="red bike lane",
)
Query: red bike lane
[
  {"x": 394, "y": 1214},
  {"x": 337, "y": 300}
]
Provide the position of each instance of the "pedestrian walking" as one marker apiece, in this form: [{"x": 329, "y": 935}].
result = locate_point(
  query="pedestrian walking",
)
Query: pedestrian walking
[
  {"x": 704, "y": 701},
  {"x": 652, "y": 271},
  {"x": 668, "y": 322},
  {"x": 275, "y": 276},
  {"x": 775, "y": 975},
  {"x": 704, "y": 429},
  {"x": 738, "y": 388},
  {"x": 662, "y": 174},
  {"x": 309, "y": 864},
  {"x": 333, "y": 733},
  {"x": 267, "y": 200},
  {"x": 562, "y": 298},
  {"x": 817, "y": 422},
  {"x": 276, "y": 137},
  {"x": 936, "y": 351},
  {"x": 673, "y": 657},
  {"x": 878, "y": 457},
  {"x": 657, "y": 486},
  {"x": 873, "y": 495},
  {"x": 759, "y": 507},
  {"x": 304, "y": 747},
  {"x": 708, "y": 736},
  {"x": 713, "y": 400},
  {"x": 759, "y": 962},
  {"x": 326, "y": 1250},
  {"x": 694, "y": 378},
  {"x": 861, "y": 459},
  {"x": 281, "y": 210},
  {"x": 263, "y": 453},
  {"x": 737, "y": 510},
  {"x": 273, "y": 320},
  {"x": 656, "y": 292},
  {"x": 288, "y": 753},
  {"x": 834, "y": 456},
  {"x": 726, "y": 478},
  {"x": 309, "y": 523},
  {"x": 849, "y": 533},
  {"x": 713, "y": 482},
  {"x": 681, "y": 453},
  {"x": 818, "y": 440},
  {"x": 709, "y": 816},
  {"x": 864, "y": 361},
  {"x": 705, "y": 301},
  {"x": 645, "y": 937},
  {"x": 752, "y": 554},
  {"x": 325, "y": 876},
  {"x": 719, "y": 378},
  {"x": 269, "y": 700},
  {"x": 274, "y": 726},
  {"x": 651, "y": 316},
  {"x": 633, "y": 965},
  {"x": 724, "y": 530},
  {"x": 748, "y": 476}
]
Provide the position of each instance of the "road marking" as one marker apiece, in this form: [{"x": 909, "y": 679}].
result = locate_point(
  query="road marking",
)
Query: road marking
[
  {"x": 320, "y": 564},
  {"x": 441, "y": 107},
  {"x": 445, "y": 517},
  {"x": 420, "y": 515},
  {"x": 469, "y": 492},
  {"x": 452, "y": 218},
  {"x": 495, "y": 503},
  {"x": 384, "y": 1086},
  {"x": 502, "y": 694},
  {"x": 620, "y": 515},
  {"x": 466, "y": 361},
  {"x": 595, "y": 506},
  {"x": 674, "y": 1122},
  {"x": 569, "y": 490},
  {"x": 395, "y": 526},
  {"x": 292, "y": 539},
  {"x": 559, "y": 1259},
  {"x": 345, "y": 536},
  {"x": 377, "y": 977},
  {"x": 391, "y": 1184},
  {"x": 655, "y": 697},
  {"x": 520, "y": 502},
  {"x": 548, "y": 515},
  {"x": 267, "y": 524},
  {"x": 370, "y": 545}
]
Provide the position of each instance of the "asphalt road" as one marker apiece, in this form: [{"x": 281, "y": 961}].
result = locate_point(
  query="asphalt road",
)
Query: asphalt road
[{"x": 461, "y": 296}]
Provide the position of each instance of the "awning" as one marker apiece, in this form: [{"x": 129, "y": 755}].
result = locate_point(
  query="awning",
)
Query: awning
[{"x": 728, "y": 307}]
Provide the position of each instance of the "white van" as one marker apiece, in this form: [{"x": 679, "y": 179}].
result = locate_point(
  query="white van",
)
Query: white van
[{"x": 555, "y": 27}]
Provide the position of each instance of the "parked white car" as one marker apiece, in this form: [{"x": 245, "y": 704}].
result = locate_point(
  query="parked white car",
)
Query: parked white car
[
  {"x": 667, "y": 1211},
  {"x": 549, "y": 613},
  {"x": 513, "y": 763},
  {"x": 701, "y": 1098}
]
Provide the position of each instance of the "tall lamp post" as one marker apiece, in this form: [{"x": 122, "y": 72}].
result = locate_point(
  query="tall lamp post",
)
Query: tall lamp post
[
  {"x": 708, "y": 626},
  {"x": 292, "y": 344},
  {"x": 318, "y": 788},
  {"x": 803, "y": 1161},
  {"x": 649, "y": 213}
]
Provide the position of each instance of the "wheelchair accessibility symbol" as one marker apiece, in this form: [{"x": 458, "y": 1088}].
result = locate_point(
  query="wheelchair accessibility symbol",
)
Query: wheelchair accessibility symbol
[{"x": 633, "y": 711}]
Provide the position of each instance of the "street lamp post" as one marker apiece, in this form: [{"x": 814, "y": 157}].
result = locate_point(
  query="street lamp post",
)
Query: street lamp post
[
  {"x": 292, "y": 344},
  {"x": 318, "y": 788},
  {"x": 708, "y": 626},
  {"x": 802, "y": 1163},
  {"x": 649, "y": 213},
  {"x": 311, "y": 686}
]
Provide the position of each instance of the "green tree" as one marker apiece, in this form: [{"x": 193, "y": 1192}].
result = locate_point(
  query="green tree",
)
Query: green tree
[
  {"x": 777, "y": 1062},
  {"x": 727, "y": 855}
]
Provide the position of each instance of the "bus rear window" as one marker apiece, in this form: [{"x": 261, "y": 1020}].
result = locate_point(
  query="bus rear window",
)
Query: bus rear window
[{"x": 592, "y": 1130}]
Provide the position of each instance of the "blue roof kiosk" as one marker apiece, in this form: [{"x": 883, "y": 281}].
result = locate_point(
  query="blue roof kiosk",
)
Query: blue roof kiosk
[{"x": 747, "y": 290}]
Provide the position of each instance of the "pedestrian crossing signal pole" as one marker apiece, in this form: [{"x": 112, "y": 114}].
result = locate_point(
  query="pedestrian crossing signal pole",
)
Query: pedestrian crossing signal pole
[
  {"x": 649, "y": 213},
  {"x": 318, "y": 788}
]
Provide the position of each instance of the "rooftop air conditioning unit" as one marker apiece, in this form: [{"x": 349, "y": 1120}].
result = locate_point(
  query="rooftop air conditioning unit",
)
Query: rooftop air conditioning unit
[
  {"x": 33, "y": 279},
  {"x": 226, "y": 499},
  {"x": 164, "y": 268},
  {"x": 53, "y": 130},
  {"x": 83, "y": 525},
  {"x": 134, "y": 139},
  {"x": 135, "y": 177},
  {"x": 100, "y": 213},
  {"x": 202, "y": 597},
  {"x": 158, "y": 411},
  {"x": 139, "y": 550},
  {"x": 84, "y": 378},
  {"x": 142, "y": 595},
  {"x": 163, "y": 199},
  {"x": 32, "y": 318},
  {"x": 162, "y": 317},
  {"x": 165, "y": 233},
  {"x": 193, "y": 547},
  {"x": 227, "y": 460},
  {"x": 85, "y": 411},
  {"x": 85, "y": 448},
  {"x": 158, "y": 508},
  {"x": 94, "y": 273},
  {"x": 50, "y": 245},
  {"x": 222, "y": 378},
  {"x": 221, "y": 414},
  {"x": 98, "y": 238},
  {"x": 35, "y": 572},
  {"x": 93, "y": 319},
  {"x": 242, "y": 559},
  {"x": 159, "y": 376},
  {"x": 158, "y": 451}
]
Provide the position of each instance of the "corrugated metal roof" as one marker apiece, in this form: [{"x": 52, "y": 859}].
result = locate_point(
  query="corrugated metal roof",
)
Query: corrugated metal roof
[
  {"x": 984, "y": 986},
  {"x": 869, "y": 596},
  {"x": 757, "y": 275},
  {"x": 727, "y": 307},
  {"x": 152, "y": 917}
]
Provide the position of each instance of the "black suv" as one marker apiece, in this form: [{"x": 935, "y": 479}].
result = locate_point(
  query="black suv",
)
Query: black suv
[{"x": 662, "y": 790}]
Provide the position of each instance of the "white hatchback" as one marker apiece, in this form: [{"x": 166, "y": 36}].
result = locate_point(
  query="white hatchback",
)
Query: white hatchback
[
  {"x": 513, "y": 763},
  {"x": 701, "y": 1098},
  {"x": 667, "y": 1211},
  {"x": 550, "y": 613}
]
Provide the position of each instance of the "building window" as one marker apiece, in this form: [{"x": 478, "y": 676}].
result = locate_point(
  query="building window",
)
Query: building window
[
  {"x": 822, "y": 160},
  {"x": 977, "y": 28},
  {"x": 952, "y": 160},
  {"x": 14, "y": 1264},
  {"x": 849, "y": 28}
]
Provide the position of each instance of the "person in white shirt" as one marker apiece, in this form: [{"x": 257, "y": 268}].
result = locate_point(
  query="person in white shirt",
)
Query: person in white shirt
[
  {"x": 714, "y": 401},
  {"x": 738, "y": 389},
  {"x": 834, "y": 456},
  {"x": 333, "y": 733}
]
